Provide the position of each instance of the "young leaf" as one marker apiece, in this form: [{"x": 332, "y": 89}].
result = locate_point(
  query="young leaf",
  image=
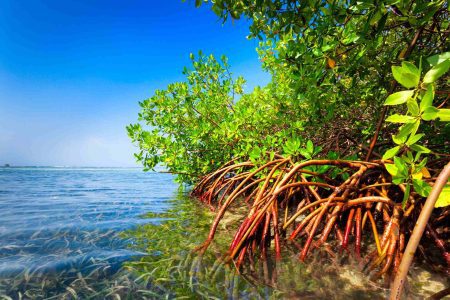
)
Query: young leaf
[
  {"x": 392, "y": 169},
  {"x": 444, "y": 114},
  {"x": 396, "y": 118},
  {"x": 398, "y": 180},
  {"x": 401, "y": 166},
  {"x": 255, "y": 153},
  {"x": 406, "y": 195},
  {"x": 310, "y": 146},
  {"x": 398, "y": 98},
  {"x": 271, "y": 155},
  {"x": 391, "y": 153},
  {"x": 422, "y": 163},
  {"x": 421, "y": 187},
  {"x": 437, "y": 71},
  {"x": 444, "y": 197},
  {"x": 405, "y": 77},
  {"x": 438, "y": 58},
  {"x": 399, "y": 140},
  {"x": 408, "y": 158},
  {"x": 414, "y": 139},
  {"x": 305, "y": 153},
  {"x": 412, "y": 71},
  {"x": 411, "y": 68},
  {"x": 417, "y": 175},
  {"x": 430, "y": 113},
  {"x": 420, "y": 148},
  {"x": 317, "y": 150},
  {"x": 427, "y": 98},
  {"x": 407, "y": 129},
  {"x": 413, "y": 108}
]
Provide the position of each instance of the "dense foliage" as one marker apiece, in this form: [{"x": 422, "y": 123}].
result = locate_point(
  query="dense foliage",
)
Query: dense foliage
[
  {"x": 312, "y": 154},
  {"x": 330, "y": 63}
]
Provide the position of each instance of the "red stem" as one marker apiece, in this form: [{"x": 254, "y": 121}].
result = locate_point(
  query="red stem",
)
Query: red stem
[
  {"x": 347, "y": 228},
  {"x": 276, "y": 232},
  {"x": 358, "y": 232}
]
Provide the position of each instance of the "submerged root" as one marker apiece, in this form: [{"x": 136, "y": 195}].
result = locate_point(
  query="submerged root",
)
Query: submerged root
[{"x": 310, "y": 203}]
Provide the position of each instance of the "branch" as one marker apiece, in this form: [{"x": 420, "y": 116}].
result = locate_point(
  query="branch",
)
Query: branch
[
  {"x": 408, "y": 255},
  {"x": 393, "y": 86}
]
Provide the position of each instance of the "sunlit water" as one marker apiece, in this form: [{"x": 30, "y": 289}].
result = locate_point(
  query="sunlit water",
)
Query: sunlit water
[
  {"x": 54, "y": 219},
  {"x": 96, "y": 233}
]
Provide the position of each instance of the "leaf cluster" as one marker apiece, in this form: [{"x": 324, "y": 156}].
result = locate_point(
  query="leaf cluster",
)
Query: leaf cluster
[
  {"x": 330, "y": 63},
  {"x": 408, "y": 167}
]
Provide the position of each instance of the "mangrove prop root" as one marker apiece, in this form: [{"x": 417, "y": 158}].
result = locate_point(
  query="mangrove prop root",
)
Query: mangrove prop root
[{"x": 293, "y": 204}]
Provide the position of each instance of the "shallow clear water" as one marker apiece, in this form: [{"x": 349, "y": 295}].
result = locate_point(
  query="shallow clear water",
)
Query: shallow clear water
[
  {"x": 55, "y": 219},
  {"x": 95, "y": 233}
]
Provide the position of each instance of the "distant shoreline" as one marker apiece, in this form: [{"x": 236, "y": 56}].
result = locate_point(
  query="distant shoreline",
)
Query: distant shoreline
[
  {"x": 66, "y": 167},
  {"x": 3, "y": 167}
]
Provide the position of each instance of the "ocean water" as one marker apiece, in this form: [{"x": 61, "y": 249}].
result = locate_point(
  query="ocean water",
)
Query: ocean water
[
  {"x": 71, "y": 219},
  {"x": 97, "y": 233}
]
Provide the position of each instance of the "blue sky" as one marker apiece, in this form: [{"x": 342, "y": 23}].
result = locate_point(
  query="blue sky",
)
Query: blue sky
[{"x": 72, "y": 72}]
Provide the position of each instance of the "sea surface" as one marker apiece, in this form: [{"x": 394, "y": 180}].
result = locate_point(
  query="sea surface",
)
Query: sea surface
[
  {"x": 114, "y": 233},
  {"x": 71, "y": 219}
]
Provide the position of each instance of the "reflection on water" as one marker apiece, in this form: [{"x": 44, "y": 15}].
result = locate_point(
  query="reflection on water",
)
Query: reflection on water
[
  {"x": 61, "y": 224},
  {"x": 171, "y": 268},
  {"x": 122, "y": 233}
]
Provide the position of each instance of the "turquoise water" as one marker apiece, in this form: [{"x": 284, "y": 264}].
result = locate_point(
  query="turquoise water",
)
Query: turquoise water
[{"x": 56, "y": 220}]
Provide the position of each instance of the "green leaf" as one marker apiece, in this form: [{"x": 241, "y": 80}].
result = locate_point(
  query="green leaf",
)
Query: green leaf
[
  {"x": 398, "y": 170},
  {"x": 427, "y": 98},
  {"x": 437, "y": 71},
  {"x": 407, "y": 129},
  {"x": 444, "y": 197},
  {"x": 317, "y": 150},
  {"x": 406, "y": 196},
  {"x": 438, "y": 58},
  {"x": 420, "y": 148},
  {"x": 305, "y": 153},
  {"x": 332, "y": 155},
  {"x": 310, "y": 146},
  {"x": 430, "y": 113},
  {"x": 255, "y": 153},
  {"x": 413, "y": 108},
  {"x": 392, "y": 169},
  {"x": 399, "y": 140},
  {"x": 391, "y": 152},
  {"x": 412, "y": 71},
  {"x": 406, "y": 75},
  {"x": 408, "y": 158},
  {"x": 396, "y": 118},
  {"x": 398, "y": 180},
  {"x": 401, "y": 166},
  {"x": 422, "y": 164},
  {"x": 414, "y": 139},
  {"x": 421, "y": 187},
  {"x": 398, "y": 98},
  {"x": 444, "y": 114}
]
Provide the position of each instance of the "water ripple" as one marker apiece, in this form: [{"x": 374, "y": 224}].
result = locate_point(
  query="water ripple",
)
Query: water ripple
[{"x": 55, "y": 219}]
